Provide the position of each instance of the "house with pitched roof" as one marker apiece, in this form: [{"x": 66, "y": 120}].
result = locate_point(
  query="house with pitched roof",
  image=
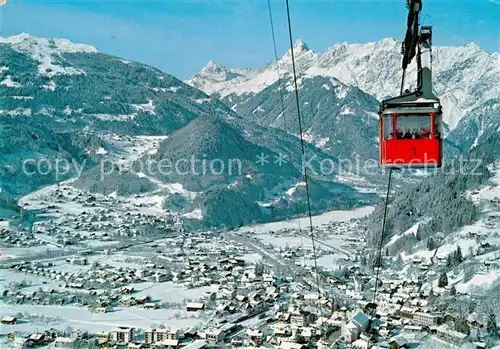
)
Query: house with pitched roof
[{"x": 353, "y": 329}]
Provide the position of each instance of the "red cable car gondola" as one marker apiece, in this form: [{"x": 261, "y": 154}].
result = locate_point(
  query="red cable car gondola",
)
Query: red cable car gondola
[
  {"x": 410, "y": 125},
  {"x": 410, "y": 134}
]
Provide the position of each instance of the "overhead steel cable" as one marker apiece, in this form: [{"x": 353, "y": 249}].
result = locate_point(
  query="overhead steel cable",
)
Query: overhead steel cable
[
  {"x": 381, "y": 243},
  {"x": 302, "y": 146},
  {"x": 283, "y": 114}
]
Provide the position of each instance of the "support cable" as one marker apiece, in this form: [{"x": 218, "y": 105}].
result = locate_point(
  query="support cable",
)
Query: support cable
[
  {"x": 283, "y": 114},
  {"x": 381, "y": 243},
  {"x": 290, "y": 36}
]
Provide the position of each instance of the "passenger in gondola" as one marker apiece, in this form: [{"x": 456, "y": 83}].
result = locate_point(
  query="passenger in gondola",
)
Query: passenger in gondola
[
  {"x": 399, "y": 133},
  {"x": 407, "y": 134},
  {"x": 415, "y": 134},
  {"x": 424, "y": 133}
]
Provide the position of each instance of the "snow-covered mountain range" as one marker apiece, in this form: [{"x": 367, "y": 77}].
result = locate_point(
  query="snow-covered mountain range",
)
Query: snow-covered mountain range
[{"x": 466, "y": 78}]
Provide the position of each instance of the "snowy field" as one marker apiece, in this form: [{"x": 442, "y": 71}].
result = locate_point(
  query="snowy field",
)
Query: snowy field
[
  {"x": 251, "y": 258},
  {"x": 81, "y": 317},
  {"x": 35, "y": 282},
  {"x": 332, "y": 245},
  {"x": 117, "y": 260},
  {"x": 481, "y": 280},
  {"x": 130, "y": 149},
  {"x": 331, "y": 216},
  {"x": 13, "y": 252},
  {"x": 145, "y": 204},
  {"x": 327, "y": 261},
  {"x": 285, "y": 241},
  {"x": 122, "y": 151},
  {"x": 297, "y": 241}
]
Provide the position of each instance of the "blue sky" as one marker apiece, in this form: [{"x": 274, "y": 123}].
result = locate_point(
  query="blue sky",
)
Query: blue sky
[{"x": 181, "y": 36}]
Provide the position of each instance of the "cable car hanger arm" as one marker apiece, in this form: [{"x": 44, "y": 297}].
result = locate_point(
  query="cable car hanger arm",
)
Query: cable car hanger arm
[{"x": 417, "y": 44}]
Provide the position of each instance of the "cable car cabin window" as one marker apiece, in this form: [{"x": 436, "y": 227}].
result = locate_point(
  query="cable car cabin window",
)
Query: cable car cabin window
[
  {"x": 388, "y": 127},
  {"x": 413, "y": 126},
  {"x": 437, "y": 126}
]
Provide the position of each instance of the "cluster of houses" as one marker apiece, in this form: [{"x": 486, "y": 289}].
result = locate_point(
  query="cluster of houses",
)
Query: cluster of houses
[
  {"x": 297, "y": 324},
  {"x": 250, "y": 306},
  {"x": 13, "y": 238},
  {"x": 93, "y": 281},
  {"x": 287, "y": 318},
  {"x": 294, "y": 321},
  {"x": 95, "y": 220},
  {"x": 402, "y": 311}
]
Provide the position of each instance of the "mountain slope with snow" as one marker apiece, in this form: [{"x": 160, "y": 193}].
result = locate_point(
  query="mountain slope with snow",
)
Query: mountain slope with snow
[
  {"x": 338, "y": 118},
  {"x": 60, "y": 100},
  {"x": 465, "y": 77},
  {"x": 62, "y": 81},
  {"x": 47, "y": 52}
]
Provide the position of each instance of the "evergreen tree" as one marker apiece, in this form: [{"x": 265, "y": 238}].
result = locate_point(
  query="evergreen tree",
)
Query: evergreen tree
[
  {"x": 453, "y": 290},
  {"x": 449, "y": 262},
  {"x": 458, "y": 258},
  {"x": 462, "y": 325},
  {"x": 363, "y": 261},
  {"x": 491, "y": 324},
  {"x": 431, "y": 244},
  {"x": 418, "y": 235},
  {"x": 443, "y": 280}
]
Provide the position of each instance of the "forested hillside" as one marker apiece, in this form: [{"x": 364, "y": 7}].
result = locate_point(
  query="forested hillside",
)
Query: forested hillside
[{"x": 439, "y": 203}]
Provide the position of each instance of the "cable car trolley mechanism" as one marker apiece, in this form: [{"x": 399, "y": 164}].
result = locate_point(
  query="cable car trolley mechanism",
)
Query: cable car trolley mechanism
[{"x": 410, "y": 124}]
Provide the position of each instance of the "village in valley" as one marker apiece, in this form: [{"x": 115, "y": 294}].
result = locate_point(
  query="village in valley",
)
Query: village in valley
[{"x": 98, "y": 271}]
